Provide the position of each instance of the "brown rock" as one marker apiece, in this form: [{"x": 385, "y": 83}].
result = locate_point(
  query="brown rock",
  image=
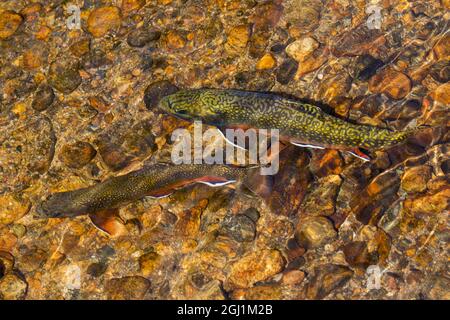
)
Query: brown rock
[
  {"x": 31, "y": 259},
  {"x": 359, "y": 41},
  {"x": 326, "y": 279},
  {"x": 326, "y": 162},
  {"x": 306, "y": 18},
  {"x": 43, "y": 98},
  {"x": 357, "y": 255},
  {"x": 78, "y": 154},
  {"x": 415, "y": 179},
  {"x": 102, "y": 20},
  {"x": 442, "y": 48},
  {"x": 12, "y": 208},
  {"x": 237, "y": 39},
  {"x": 80, "y": 47},
  {"x": 321, "y": 199},
  {"x": 442, "y": 94},
  {"x": 127, "y": 288},
  {"x": 266, "y": 15},
  {"x": 333, "y": 87},
  {"x": 6, "y": 263},
  {"x": 293, "y": 277},
  {"x": 262, "y": 292},
  {"x": 394, "y": 84},
  {"x": 254, "y": 267},
  {"x": 43, "y": 33},
  {"x": 439, "y": 288},
  {"x": 13, "y": 287},
  {"x": 63, "y": 75},
  {"x": 9, "y": 23},
  {"x": 429, "y": 204},
  {"x": 314, "y": 232},
  {"x": 148, "y": 262},
  {"x": 188, "y": 223},
  {"x": 175, "y": 40},
  {"x": 129, "y": 6},
  {"x": 300, "y": 49},
  {"x": 312, "y": 62},
  {"x": 33, "y": 59},
  {"x": 266, "y": 62}
]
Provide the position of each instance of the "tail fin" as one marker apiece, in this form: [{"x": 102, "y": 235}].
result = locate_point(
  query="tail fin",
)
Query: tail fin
[{"x": 259, "y": 184}]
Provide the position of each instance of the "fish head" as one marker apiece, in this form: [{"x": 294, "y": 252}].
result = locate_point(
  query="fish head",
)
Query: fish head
[
  {"x": 188, "y": 105},
  {"x": 61, "y": 204}
]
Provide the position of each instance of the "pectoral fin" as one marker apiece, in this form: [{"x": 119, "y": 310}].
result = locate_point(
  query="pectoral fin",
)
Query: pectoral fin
[
  {"x": 359, "y": 154},
  {"x": 214, "y": 181},
  {"x": 303, "y": 145},
  {"x": 109, "y": 222}
]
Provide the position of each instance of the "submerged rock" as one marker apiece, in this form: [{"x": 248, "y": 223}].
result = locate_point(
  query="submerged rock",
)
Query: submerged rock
[
  {"x": 127, "y": 288},
  {"x": 9, "y": 23},
  {"x": 254, "y": 267},
  {"x": 102, "y": 20}
]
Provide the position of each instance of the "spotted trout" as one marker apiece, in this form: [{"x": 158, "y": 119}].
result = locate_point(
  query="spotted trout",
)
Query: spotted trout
[
  {"x": 156, "y": 181},
  {"x": 299, "y": 123}
]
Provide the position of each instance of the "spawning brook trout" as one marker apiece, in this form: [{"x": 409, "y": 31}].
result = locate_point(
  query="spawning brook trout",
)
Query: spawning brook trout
[
  {"x": 299, "y": 123},
  {"x": 156, "y": 181}
]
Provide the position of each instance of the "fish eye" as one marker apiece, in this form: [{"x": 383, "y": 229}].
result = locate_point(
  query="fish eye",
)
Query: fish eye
[{"x": 182, "y": 111}]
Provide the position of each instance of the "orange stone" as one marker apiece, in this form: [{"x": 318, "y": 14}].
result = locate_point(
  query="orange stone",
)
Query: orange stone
[
  {"x": 266, "y": 62},
  {"x": 103, "y": 20},
  {"x": 9, "y": 23},
  {"x": 396, "y": 85}
]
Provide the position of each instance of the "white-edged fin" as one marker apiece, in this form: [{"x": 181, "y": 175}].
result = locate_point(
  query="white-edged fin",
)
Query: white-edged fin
[
  {"x": 306, "y": 145},
  {"x": 354, "y": 154},
  {"x": 160, "y": 197},
  {"x": 217, "y": 184},
  {"x": 230, "y": 142}
]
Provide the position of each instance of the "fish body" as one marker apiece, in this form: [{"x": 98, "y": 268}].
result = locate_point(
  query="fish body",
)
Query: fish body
[
  {"x": 298, "y": 122},
  {"x": 155, "y": 181}
]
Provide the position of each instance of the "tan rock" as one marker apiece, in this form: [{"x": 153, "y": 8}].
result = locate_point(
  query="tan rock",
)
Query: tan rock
[
  {"x": 237, "y": 39},
  {"x": 415, "y": 179},
  {"x": 102, "y": 20},
  {"x": 129, "y": 6},
  {"x": 9, "y": 23},
  {"x": 127, "y": 288},
  {"x": 256, "y": 266},
  {"x": 394, "y": 84},
  {"x": 313, "y": 62},
  {"x": 175, "y": 40},
  {"x": 12, "y": 208},
  {"x": 442, "y": 94},
  {"x": 266, "y": 62},
  {"x": 314, "y": 232},
  {"x": 13, "y": 287},
  {"x": 6, "y": 262},
  {"x": 326, "y": 279},
  {"x": 442, "y": 48},
  {"x": 300, "y": 49},
  {"x": 148, "y": 262},
  {"x": 293, "y": 277},
  {"x": 429, "y": 204}
]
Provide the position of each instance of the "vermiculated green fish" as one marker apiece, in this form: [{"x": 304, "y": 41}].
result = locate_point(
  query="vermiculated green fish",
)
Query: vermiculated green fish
[
  {"x": 159, "y": 180},
  {"x": 299, "y": 123}
]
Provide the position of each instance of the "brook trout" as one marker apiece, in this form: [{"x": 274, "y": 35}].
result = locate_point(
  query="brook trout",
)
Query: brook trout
[
  {"x": 157, "y": 181},
  {"x": 299, "y": 123}
]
